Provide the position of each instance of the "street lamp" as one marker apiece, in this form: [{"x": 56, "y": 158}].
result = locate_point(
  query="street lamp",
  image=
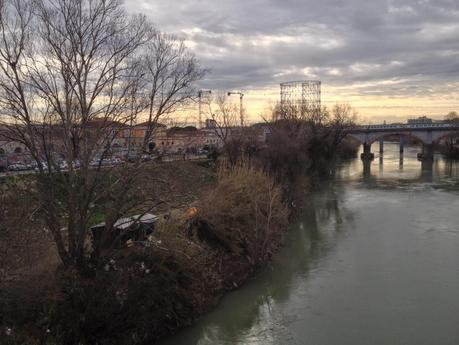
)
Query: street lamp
[
  {"x": 200, "y": 93},
  {"x": 241, "y": 106}
]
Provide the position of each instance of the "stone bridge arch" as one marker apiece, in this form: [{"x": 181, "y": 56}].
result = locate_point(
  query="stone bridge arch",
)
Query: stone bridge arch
[
  {"x": 370, "y": 138},
  {"x": 425, "y": 137},
  {"x": 439, "y": 136},
  {"x": 426, "y": 133}
]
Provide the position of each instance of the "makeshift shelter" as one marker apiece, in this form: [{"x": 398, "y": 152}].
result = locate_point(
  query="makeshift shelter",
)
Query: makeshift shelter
[{"x": 135, "y": 228}]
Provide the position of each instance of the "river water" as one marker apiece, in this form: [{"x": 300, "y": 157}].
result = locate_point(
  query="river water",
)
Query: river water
[{"x": 373, "y": 260}]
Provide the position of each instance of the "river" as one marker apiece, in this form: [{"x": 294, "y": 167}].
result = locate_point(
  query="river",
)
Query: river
[{"x": 373, "y": 260}]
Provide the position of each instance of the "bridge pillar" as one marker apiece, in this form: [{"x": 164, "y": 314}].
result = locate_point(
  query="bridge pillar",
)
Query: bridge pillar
[
  {"x": 402, "y": 144},
  {"x": 427, "y": 153},
  {"x": 427, "y": 170},
  {"x": 381, "y": 145},
  {"x": 367, "y": 155},
  {"x": 366, "y": 169}
]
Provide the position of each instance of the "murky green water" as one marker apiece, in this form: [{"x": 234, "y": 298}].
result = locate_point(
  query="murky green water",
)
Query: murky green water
[{"x": 374, "y": 260}]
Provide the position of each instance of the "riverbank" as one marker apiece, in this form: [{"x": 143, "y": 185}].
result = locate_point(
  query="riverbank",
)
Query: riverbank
[
  {"x": 371, "y": 248},
  {"x": 31, "y": 282},
  {"x": 146, "y": 292},
  {"x": 24, "y": 242},
  {"x": 217, "y": 228}
]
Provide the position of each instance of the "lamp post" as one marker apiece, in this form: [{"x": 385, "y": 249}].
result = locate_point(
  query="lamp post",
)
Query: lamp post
[
  {"x": 241, "y": 106},
  {"x": 200, "y": 93}
]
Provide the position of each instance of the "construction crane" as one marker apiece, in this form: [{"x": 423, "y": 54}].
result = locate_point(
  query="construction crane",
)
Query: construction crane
[{"x": 241, "y": 106}]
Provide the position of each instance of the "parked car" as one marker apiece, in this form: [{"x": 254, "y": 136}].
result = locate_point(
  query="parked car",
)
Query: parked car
[
  {"x": 63, "y": 165},
  {"x": 44, "y": 165},
  {"x": 76, "y": 164},
  {"x": 94, "y": 162},
  {"x": 117, "y": 160},
  {"x": 107, "y": 162},
  {"x": 17, "y": 166}
]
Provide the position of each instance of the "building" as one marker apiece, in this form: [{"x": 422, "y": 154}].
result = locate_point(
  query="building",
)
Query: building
[
  {"x": 12, "y": 148},
  {"x": 262, "y": 131},
  {"x": 183, "y": 140},
  {"x": 11, "y": 152},
  {"x": 131, "y": 139},
  {"x": 420, "y": 120},
  {"x": 125, "y": 140}
]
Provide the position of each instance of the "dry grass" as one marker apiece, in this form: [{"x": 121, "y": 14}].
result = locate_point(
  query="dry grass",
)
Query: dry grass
[
  {"x": 26, "y": 249},
  {"x": 246, "y": 212},
  {"x": 242, "y": 208},
  {"x": 177, "y": 184}
]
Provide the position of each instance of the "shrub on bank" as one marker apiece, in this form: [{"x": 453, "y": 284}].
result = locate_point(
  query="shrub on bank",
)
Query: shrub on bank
[
  {"x": 144, "y": 293},
  {"x": 450, "y": 149},
  {"x": 141, "y": 295},
  {"x": 246, "y": 214},
  {"x": 348, "y": 149}
]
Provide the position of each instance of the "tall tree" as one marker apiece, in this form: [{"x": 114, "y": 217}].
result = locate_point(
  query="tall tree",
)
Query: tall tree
[
  {"x": 75, "y": 74},
  {"x": 452, "y": 117},
  {"x": 225, "y": 126}
]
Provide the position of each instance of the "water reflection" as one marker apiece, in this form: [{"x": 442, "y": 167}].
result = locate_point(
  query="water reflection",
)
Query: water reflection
[
  {"x": 391, "y": 166},
  {"x": 245, "y": 316},
  {"x": 451, "y": 169},
  {"x": 360, "y": 245},
  {"x": 427, "y": 171}
]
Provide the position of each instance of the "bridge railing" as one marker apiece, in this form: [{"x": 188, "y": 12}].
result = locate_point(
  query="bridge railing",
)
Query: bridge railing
[{"x": 408, "y": 126}]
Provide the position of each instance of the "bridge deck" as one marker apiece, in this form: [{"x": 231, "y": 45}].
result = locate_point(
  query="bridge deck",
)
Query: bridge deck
[{"x": 405, "y": 127}]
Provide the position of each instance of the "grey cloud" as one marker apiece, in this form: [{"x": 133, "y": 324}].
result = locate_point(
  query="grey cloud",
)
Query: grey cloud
[{"x": 259, "y": 43}]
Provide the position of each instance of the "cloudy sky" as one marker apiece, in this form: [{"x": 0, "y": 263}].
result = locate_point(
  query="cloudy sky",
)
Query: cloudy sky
[{"x": 390, "y": 59}]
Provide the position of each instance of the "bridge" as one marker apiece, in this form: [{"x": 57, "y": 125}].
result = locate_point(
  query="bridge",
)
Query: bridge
[{"x": 428, "y": 134}]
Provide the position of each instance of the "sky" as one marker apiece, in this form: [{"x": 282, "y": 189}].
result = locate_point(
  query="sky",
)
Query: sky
[{"x": 389, "y": 59}]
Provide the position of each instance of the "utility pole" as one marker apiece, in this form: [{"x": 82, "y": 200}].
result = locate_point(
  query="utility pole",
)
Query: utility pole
[
  {"x": 200, "y": 93},
  {"x": 241, "y": 106}
]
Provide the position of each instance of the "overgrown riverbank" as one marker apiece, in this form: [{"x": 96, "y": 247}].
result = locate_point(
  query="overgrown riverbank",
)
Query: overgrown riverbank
[
  {"x": 219, "y": 224},
  {"x": 146, "y": 292}
]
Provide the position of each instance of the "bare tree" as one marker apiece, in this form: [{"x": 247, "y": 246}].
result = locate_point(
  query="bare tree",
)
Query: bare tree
[
  {"x": 342, "y": 117},
  {"x": 74, "y": 75},
  {"x": 305, "y": 142},
  {"x": 450, "y": 143},
  {"x": 452, "y": 117},
  {"x": 170, "y": 74},
  {"x": 225, "y": 125}
]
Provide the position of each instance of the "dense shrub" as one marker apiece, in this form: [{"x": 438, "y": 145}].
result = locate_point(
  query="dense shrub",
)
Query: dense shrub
[
  {"x": 348, "y": 149},
  {"x": 450, "y": 148},
  {"x": 143, "y": 295},
  {"x": 246, "y": 213},
  {"x": 25, "y": 310},
  {"x": 285, "y": 155}
]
